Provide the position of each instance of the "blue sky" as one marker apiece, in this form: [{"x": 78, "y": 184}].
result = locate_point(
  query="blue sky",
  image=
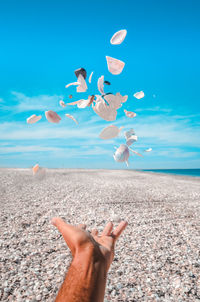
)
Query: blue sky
[{"x": 43, "y": 42}]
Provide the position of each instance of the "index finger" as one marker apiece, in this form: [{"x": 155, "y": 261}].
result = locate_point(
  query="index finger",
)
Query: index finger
[{"x": 119, "y": 229}]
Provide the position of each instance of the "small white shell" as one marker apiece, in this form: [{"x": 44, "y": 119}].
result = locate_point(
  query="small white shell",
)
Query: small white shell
[
  {"x": 62, "y": 104},
  {"x": 121, "y": 154},
  {"x": 33, "y": 119},
  {"x": 139, "y": 95},
  {"x": 115, "y": 66},
  {"x": 82, "y": 86},
  {"x": 110, "y": 132},
  {"x": 52, "y": 116},
  {"x": 90, "y": 77},
  {"x": 71, "y": 117},
  {"x": 131, "y": 140},
  {"x": 72, "y": 84},
  {"x": 130, "y": 113},
  {"x": 100, "y": 84},
  {"x": 118, "y": 37},
  {"x": 148, "y": 150}
]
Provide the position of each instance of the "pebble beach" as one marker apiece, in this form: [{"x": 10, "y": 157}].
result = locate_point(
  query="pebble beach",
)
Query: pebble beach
[{"x": 157, "y": 258}]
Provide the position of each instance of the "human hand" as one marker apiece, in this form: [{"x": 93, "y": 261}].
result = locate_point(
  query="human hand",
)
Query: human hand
[{"x": 81, "y": 241}]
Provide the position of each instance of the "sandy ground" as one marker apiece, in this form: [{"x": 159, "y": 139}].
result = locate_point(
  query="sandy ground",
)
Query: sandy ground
[{"x": 157, "y": 258}]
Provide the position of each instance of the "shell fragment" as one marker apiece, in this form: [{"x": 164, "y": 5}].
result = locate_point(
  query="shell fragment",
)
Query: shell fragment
[
  {"x": 115, "y": 66},
  {"x": 139, "y": 95},
  {"x": 52, "y": 116},
  {"x": 118, "y": 37},
  {"x": 110, "y": 132},
  {"x": 71, "y": 117},
  {"x": 33, "y": 119}
]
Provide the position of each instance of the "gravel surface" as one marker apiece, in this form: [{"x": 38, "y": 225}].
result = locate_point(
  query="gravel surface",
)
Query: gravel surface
[{"x": 157, "y": 258}]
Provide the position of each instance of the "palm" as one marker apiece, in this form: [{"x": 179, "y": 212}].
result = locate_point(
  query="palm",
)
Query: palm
[{"x": 78, "y": 238}]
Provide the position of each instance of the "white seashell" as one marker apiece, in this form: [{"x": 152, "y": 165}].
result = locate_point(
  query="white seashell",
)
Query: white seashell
[
  {"x": 129, "y": 133},
  {"x": 115, "y": 101},
  {"x": 148, "y": 150},
  {"x": 110, "y": 132},
  {"x": 100, "y": 84},
  {"x": 129, "y": 113},
  {"x": 114, "y": 66},
  {"x": 103, "y": 110},
  {"x": 72, "y": 84},
  {"x": 33, "y": 119},
  {"x": 52, "y": 116},
  {"x": 83, "y": 86},
  {"x": 118, "y": 37},
  {"x": 139, "y": 95},
  {"x": 90, "y": 77},
  {"x": 131, "y": 140},
  {"x": 121, "y": 154},
  {"x": 71, "y": 117},
  {"x": 62, "y": 104}
]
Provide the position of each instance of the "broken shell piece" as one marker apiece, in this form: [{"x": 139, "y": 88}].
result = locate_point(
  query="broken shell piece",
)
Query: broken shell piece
[
  {"x": 52, "y": 116},
  {"x": 115, "y": 66},
  {"x": 82, "y": 84},
  {"x": 90, "y": 77},
  {"x": 100, "y": 84},
  {"x": 129, "y": 113},
  {"x": 62, "y": 104},
  {"x": 148, "y": 150},
  {"x": 106, "y": 112},
  {"x": 71, "y": 117},
  {"x": 135, "y": 152},
  {"x": 81, "y": 71},
  {"x": 131, "y": 140},
  {"x": 115, "y": 101},
  {"x": 35, "y": 169},
  {"x": 129, "y": 133},
  {"x": 33, "y": 119},
  {"x": 91, "y": 99},
  {"x": 110, "y": 132},
  {"x": 139, "y": 95},
  {"x": 121, "y": 154},
  {"x": 72, "y": 84},
  {"x": 118, "y": 37},
  {"x": 107, "y": 82}
]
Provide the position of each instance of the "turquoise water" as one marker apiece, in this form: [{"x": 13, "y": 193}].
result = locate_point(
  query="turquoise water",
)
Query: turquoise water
[{"x": 188, "y": 172}]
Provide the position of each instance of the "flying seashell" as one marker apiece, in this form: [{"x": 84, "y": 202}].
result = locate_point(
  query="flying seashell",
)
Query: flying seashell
[
  {"x": 82, "y": 84},
  {"x": 72, "y": 84},
  {"x": 71, "y": 117},
  {"x": 91, "y": 99},
  {"x": 148, "y": 150},
  {"x": 115, "y": 101},
  {"x": 118, "y": 37},
  {"x": 129, "y": 133},
  {"x": 52, "y": 116},
  {"x": 81, "y": 71},
  {"x": 122, "y": 154},
  {"x": 131, "y": 140},
  {"x": 62, "y": 104},
  {"x": 35, "y": 169},
  {"x": 114, "y": 66},
  {"x": 90, "y": 77},
  {"x": 139, "y": 95},
  {"x": 33, "y": 119},
  {"x": 106, "y": 112},
  {"x": 129, "y": 113},
  {"x": 135, "y": 152},
  {"x": 110, "y": 132},
  {"x": 107, "y": 82},
  {"x": 100, "y": 84}
]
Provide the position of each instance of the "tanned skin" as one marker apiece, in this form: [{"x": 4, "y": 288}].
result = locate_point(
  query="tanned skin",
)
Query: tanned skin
[{"x": 92, "y": 256}]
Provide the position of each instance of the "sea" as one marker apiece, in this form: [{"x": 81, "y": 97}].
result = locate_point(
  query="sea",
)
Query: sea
[{"x": 186, "y": 172}]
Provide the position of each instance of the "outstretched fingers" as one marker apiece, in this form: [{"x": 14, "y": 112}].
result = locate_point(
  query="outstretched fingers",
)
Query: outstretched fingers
[
  {"x": 119, "y": 229},
  {"x": 108, "y": 229}
]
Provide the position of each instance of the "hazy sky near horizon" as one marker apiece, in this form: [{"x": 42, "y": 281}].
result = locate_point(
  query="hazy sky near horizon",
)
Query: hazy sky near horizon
[{"x": 43, "y": 42}]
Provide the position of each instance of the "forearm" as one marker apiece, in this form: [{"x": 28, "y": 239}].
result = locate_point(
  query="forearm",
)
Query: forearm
[{"x": 85, "y": 280}]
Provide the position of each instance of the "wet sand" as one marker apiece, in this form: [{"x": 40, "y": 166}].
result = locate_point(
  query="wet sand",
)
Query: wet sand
[{"x": 157, "y": 258}]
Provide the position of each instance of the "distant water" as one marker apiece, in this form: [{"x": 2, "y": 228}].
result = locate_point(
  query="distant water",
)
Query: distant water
[{"x": 188, "y": 172}]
